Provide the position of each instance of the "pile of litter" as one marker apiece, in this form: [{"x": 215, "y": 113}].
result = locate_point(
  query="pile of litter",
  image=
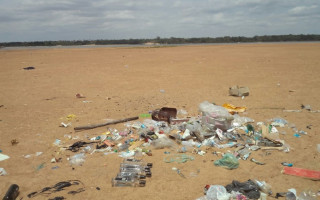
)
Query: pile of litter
[{"x": 216, "y": 127}]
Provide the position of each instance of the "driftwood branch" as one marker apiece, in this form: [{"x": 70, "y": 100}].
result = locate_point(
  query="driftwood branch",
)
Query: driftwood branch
[{"x": 104, "y": 124}]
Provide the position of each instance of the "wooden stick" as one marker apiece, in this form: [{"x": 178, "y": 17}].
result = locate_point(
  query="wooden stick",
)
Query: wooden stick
[
  {"x": 273, "y": 148},
  {"x": 104, "y": 124},
  {"x": 272, "y": 108}
]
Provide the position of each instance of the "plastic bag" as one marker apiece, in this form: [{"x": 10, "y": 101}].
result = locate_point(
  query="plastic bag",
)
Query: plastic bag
[
  {"x": 193, "y": 126},
  {"x": 77, "y": 159},
  {"x": 149, "y": 122},
  {"x": 215, "y": 116},
  {"x": 163, "y": 142},
  {"x": 248, "y": 188},
  {"x": 213, "y": 110},
  {"x": 239, "y": 91},
  {"x": 228, "y": 161},
  {"x": 179, "y": 158},
  {"x": 202, "y": 198},
  {"x": 191, "y": 143},
  {"x": 217, "y": 192},
  {"x": 3, "y": 157}
]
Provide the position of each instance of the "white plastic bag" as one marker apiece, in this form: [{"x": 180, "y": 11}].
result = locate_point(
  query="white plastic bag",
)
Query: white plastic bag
[
  {"x": 217, "y": 192},
  {"x": 77, "y": 159}
]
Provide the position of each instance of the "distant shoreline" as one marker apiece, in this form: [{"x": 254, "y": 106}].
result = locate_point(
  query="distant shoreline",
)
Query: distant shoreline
[
  {"x": 145, "y": 45},
  {"x": 172, "y": 41}
]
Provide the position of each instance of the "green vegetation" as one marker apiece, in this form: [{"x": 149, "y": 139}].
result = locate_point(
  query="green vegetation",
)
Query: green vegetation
[{"x": 172, "y": 40}]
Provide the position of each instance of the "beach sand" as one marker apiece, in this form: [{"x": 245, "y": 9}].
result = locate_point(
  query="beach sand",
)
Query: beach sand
[{"x": 125, "y": 82}]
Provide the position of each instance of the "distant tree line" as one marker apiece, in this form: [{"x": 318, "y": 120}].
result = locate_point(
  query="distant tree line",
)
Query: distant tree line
[{"x": 172, "y": 40}]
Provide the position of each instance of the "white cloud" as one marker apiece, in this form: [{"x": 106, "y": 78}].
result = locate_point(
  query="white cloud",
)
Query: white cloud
[
  {"x": 31, "y": 20},
  {"x": 304, "y": 10}
]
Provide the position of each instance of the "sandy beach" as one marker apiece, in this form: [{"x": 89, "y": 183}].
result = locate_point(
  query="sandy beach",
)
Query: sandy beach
[{"x": 125, "y": 82}]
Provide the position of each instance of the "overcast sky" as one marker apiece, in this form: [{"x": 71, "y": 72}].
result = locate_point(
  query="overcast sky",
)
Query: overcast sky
[{"x": 38, "y": 20}]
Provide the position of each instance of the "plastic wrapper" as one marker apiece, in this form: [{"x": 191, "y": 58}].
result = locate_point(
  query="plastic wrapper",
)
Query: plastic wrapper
[
  {"x": 57, "y": 142},
  {"x": 186, "y": 134},
  {"x": 227, "y": 145},
  {"x": 286, "y": 147},
  {"x": 191, "y": 143},
  {"x": 127, "y": 154},
  {"x": 234, "y": 109},
  {"x": 182, "y": 112},
  {"x": 228, "y": 161},
  {"x": 239, "y": 121},
  {"x": 136, "y": 125},
  {"x": 3, "y": 172},
  {"x": 209, "y": 142},
  {"x": 279, "y": 122}
]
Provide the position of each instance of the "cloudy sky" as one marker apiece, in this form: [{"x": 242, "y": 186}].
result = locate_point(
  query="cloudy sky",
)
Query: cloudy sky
[{"x": 38, "y": 20}]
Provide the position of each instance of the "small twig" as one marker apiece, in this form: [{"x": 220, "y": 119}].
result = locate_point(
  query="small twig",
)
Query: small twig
[{"x": 104, "y": 124}]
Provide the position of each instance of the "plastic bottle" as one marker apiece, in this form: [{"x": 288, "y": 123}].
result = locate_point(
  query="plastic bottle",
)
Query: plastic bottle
[
  {"x": 263, "y": 196},
  {"x": 290, "y": 196},
  {"x": 12, "y": 192},
  {"x": 287, "y": 164},
  {"x": 127, "y": 182},
  {"x": 131, "y": 174},
  {"x": 137, "y": 161},
  {"x": 137, "y": 170},
  {"x": 263, "y": 186},
  {"x": 307, "y": 195},
  {"x": 134, "y": 165}
]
